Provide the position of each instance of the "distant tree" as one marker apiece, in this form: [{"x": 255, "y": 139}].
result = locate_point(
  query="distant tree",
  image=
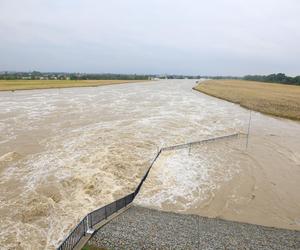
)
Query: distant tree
[
  {"x": 274, "y": 78},
  {"x": 297, "y": 79}
]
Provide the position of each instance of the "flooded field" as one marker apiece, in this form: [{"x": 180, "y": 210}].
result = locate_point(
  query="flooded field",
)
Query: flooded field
[{"x": 65, "y": 152}]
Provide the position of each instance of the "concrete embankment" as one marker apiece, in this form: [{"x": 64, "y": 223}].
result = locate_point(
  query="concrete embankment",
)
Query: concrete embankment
[{"x": 142, "y": 228}]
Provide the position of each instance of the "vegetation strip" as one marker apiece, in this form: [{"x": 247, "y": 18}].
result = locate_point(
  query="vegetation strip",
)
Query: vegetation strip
[
  {"x": 274, "y": 78},
  {"x": 273, "y": 99},
  {"x": 12, "y": 85}
]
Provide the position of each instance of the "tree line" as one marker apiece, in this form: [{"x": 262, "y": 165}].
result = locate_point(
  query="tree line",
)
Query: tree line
[
  {"x": 274, "y": 78},
  {"x": 108, "y": 77},
  {"x": 36, "y": 75}
]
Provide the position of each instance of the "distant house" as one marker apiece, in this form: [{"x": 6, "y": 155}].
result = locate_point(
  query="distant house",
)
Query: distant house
[{"x": 153, "y": 78}]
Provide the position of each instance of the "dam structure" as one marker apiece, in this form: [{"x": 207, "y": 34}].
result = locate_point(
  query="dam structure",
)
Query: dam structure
[
  {"x": 88, "y": 224},
  {"x": 125, "y": 224}
]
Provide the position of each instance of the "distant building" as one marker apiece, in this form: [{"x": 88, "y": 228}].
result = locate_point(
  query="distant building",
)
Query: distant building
[{"x": 153, "y": 78}]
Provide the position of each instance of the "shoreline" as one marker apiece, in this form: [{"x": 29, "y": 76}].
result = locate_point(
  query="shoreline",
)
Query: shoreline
[
  {"x": 59, "y": 84},
  {"x": 249, "y": 96}
]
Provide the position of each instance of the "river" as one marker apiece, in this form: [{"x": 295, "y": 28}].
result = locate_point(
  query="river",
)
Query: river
[{"x": 66, "y": 152}]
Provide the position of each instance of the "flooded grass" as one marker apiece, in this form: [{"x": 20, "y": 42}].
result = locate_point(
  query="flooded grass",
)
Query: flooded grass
[{"x": 273, "y": 99}]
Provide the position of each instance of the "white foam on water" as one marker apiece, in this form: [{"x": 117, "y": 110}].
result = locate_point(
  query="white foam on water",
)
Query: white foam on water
[{"x": 191, "y": 176}]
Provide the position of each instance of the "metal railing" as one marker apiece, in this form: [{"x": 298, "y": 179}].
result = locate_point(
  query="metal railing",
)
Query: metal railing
[
  {"x": 88, "y": 222},
  {"x": 75, "y": 236},
  {"x": 103, "y": 213}
]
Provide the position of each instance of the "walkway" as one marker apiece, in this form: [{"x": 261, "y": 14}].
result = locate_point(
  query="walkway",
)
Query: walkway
[{"x": 142, "y": 228}]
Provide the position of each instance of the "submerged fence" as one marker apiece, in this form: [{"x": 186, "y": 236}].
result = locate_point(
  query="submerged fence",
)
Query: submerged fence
[
  {"x": 185, "y": 145},
  {"x": 86, "y": 225}
]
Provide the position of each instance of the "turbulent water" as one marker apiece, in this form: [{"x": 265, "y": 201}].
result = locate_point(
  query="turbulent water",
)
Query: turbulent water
[
  {"x": 224, "y": 179},
  {"x": 65, "y": 152}
]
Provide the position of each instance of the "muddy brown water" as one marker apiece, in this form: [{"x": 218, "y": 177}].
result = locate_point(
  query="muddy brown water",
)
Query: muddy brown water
[
  {"x": 223, "y": 179},
  {"x": 66, "y": 152}
]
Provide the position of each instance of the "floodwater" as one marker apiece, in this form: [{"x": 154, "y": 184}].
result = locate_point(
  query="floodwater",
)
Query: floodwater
[
  {"x": 223, "y": 179},
  {"x": 66, "y": 152}
]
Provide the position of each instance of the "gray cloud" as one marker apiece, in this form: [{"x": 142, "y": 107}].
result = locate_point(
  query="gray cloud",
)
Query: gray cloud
[{"x": 159, "y": 36}]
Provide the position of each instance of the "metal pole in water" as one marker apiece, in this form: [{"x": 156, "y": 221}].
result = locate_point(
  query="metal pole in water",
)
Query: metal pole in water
[{"x": 250, "y": 116}]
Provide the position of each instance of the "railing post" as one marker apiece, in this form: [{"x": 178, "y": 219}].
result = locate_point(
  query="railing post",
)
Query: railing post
[
  {"x": 85, "y": 225},
  {"x": 89, "y": 222}
]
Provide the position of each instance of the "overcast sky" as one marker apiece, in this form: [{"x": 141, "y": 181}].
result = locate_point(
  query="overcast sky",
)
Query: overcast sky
[{"x": 217, "y": 37}]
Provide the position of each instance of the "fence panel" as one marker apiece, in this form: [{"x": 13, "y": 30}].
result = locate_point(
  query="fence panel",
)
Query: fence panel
[
  {"x": 129, "y": 198},
  {"x": 110, "y": 209},
  {"x": 75, "y": 236},
  {"x": 137, "y": 190},
  {"x": 97, "y": 216},
  {"x": 120, "y": 203}
]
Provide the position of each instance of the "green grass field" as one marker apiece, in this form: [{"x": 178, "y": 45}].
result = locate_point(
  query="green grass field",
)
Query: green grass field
[{"x": 11, "y": 85}]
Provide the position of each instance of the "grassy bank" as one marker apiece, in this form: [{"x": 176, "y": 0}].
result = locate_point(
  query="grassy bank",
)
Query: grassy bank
[
  {"x": 273, "y": 99},
  {"x": 6, "y": 85}
]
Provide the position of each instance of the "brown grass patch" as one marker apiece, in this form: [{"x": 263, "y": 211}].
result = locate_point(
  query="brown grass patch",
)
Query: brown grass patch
[
  {"x": 6, "y": 85},
  {"x": 269, "y": 98}
]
